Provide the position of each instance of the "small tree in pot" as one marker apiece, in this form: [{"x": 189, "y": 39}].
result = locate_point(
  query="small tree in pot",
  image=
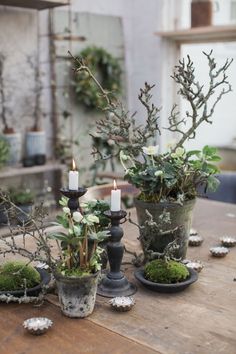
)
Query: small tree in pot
[
  {"x": 167, "y": 181},
  {"x": 13, "y": 138},
  {"x": 36, "y": 137}
]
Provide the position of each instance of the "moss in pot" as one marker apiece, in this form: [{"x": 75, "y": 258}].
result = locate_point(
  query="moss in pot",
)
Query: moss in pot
[
  {"x": 16, "y": 275},
  {"x": 170, "y": 272},
  {"x": 165, "y": 273}
]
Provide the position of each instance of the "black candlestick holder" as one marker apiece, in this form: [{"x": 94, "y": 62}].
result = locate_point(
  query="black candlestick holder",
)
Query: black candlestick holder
[
  {"x": 114, "y": 283},
  {"x": 73, "y": 195}
]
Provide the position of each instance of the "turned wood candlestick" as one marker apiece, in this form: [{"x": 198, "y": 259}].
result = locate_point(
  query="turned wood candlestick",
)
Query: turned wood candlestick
[{"x": 114, "y": 282}]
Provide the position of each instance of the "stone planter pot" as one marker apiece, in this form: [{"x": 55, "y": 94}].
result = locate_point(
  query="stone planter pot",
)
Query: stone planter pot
[
  {"x": 77, "y": 295},
  {"x": 35, "y": 143},
  {"x": 3, "y": 215},
  {"x": 14, "y": 141},
  {"x": 180, "y": 216},
  {"x": 23, "y": 215}
]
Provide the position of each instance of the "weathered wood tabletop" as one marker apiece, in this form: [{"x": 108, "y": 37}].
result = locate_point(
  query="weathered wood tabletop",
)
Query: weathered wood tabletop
[{"x": 199, "y": 320}]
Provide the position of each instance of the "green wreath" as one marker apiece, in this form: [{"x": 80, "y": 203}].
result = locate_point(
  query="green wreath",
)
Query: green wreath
[{"x": 106, "y": 69}]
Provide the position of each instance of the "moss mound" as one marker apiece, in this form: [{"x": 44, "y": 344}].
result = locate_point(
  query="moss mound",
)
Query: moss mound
[
  {"x": 12, "y": 275},
  {"x": 159, "y": 271}
]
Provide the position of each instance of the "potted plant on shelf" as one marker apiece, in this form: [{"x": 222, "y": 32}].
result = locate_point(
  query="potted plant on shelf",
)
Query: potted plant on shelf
[
  {"x": 13, "y": 138},
  {"x": 79, "y": 266},
  {"x": 36, "y": 137},
  {"x": 169, "y": 181},
  {"x": 23, "y": 199}
]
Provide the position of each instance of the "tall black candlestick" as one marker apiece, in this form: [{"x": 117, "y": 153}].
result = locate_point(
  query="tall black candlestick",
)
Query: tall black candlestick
[
  {"x": 73, "y": 195},
  {"x": 114, "y": 282}
]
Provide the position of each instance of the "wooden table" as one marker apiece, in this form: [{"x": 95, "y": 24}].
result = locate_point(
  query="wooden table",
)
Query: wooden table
[{"x": 200, "y": 320}]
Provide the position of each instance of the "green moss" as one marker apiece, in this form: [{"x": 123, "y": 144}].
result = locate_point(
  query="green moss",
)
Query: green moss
[
  {"x": 170, "y": 272},
  {"x": 12, "y": 275},
  {"x": 74, "y": 272}
]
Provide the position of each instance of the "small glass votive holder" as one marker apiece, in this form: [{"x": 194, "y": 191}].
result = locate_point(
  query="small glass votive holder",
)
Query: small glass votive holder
[
  {"x": 122, "y": 303},
  {"x": 219, "y": 251},
  {"x": 37, "y": 325},
  {"x": 228, "y": 241},
  {"x": 195, "y": 240}
]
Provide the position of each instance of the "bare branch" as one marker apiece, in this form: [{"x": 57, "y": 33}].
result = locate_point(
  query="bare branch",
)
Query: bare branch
[{"x": 192, "y": 91}]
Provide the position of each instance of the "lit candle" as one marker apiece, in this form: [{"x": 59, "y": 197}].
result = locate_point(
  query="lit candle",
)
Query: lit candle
[
  {"x": 115, "y": 198},
  {"x": 73, "y": 177}
]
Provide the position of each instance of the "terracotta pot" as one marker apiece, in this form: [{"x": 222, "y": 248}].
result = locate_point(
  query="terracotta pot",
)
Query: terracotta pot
[
  {"x": 201, "y": 12},
  {"x": 180, "y": 216},
  {"x": 77, "y": 295}
]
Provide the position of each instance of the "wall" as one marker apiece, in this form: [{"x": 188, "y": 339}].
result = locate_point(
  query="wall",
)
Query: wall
[
  {"x": 222, "y": 132},
  {"x": 140, "y": 20},
  {"x": 140, "y": 49},
  {"x": 18, "y": 31}
]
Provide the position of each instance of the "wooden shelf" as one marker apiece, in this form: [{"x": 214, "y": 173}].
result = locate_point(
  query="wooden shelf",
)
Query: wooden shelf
[
  {"x": 201, "y": 34},
  {"x": 21, "y": 171},
  {"x": 35, "y": 4},
  {"x": 68, "y": 38}
]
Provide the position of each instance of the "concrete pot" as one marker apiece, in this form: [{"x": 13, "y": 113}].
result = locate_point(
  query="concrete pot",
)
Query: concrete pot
[
  {"x": 23, "y": 215},
  {"x": 14, "y": 141},
  {"x": 3, "y": 215},
  {"x": 180, "y": 215},
  {"x": 35, "y": 143},
  {"x": 77, "y": 295}
]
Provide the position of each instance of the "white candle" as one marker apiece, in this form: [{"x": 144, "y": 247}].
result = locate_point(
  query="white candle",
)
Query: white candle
[
  {"x": 115, "y": 198},
  {"x": 73, "y": 177}
]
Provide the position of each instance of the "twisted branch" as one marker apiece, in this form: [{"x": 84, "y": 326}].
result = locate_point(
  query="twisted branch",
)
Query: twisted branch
[{"x": 192, "y": 91}]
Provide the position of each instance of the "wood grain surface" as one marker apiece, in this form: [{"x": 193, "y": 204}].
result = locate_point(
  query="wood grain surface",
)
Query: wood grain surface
[{"x": 199, "y": 320}]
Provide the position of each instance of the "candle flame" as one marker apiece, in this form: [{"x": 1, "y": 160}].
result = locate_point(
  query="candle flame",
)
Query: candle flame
[
  {"x": 114, "y": 184},
  {"x": 73, "y": 165}
]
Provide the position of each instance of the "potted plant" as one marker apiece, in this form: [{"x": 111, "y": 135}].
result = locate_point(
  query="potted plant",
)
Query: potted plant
[
  {"x": 169, "y": 181},
  {"x": 79, "y": 266},
  {"x": 17, "y": 278},
  {"x": 71, "y": 253},
  {"x": 166, "y": 274},
  {"x": 13, "y": 138},
  {"x": 36, "y": 138},
  {"x": 23, "y": 199}
]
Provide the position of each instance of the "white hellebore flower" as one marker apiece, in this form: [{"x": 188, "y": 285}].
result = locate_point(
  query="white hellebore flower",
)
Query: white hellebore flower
[
  {"x": 66, "y": 210},
  {"x": 180, "y": 151},
  {"x": 77, "y": 216},
  {"x": 151, "y": 150},
  {"x": 123, "y": 156},
  {"x": 158, "y": 173},
  {"x": 93, "y": 219}
]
